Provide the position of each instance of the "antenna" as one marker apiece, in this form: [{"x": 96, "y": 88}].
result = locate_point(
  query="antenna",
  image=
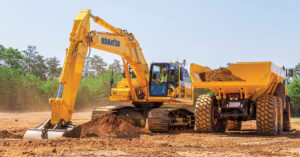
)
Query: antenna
[
  {"x": 177, "y": 61},
  {"x": 183, "y": 63}
]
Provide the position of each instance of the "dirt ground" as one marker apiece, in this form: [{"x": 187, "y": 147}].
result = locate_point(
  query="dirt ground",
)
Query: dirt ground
[{"x": 244, "y": 143}]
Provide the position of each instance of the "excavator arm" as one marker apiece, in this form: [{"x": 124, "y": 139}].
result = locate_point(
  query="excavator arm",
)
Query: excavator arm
[{"x": 81, "y": 39}]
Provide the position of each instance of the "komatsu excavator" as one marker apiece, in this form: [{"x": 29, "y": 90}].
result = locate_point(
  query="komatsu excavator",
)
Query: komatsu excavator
[{"x": 147, "y": 89}]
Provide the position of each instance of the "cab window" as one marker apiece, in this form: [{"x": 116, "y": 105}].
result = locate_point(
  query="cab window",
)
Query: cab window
[
  {"x": 174, "y": 75},
  {"x": 159, "y": 78},
  {"x": 159, "y": 74},
  {"x": 184, "y": 75}
]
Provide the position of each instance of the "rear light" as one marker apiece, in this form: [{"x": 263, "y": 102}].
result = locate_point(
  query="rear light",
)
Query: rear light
[{"x": 233, "y": 96}]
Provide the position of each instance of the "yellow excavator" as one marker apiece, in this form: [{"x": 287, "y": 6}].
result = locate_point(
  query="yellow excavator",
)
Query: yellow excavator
[{"x": 146, "y": 88}]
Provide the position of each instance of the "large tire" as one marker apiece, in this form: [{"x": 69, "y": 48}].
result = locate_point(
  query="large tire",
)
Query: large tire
[
  {"x": 280, "y": 114},
  {"x": 234, "y": 125},
  {"x": 205, "y": 115},
  {"x": 287, "y": 118},
  {"x": 267, "y": 116}
]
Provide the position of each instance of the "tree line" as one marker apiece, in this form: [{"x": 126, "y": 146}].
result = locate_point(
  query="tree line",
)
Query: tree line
[{"x": 28, "y": 79}]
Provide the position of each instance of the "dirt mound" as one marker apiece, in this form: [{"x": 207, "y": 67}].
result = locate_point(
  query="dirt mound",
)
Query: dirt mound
[
  {"x": 109, "y": 125},
  {"x": 6, "y": 134},
  {"x": 221, "y": 74}
]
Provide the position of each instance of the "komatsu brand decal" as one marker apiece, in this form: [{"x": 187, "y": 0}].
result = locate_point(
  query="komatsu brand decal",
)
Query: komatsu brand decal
[{"x": 110, "y": 42}]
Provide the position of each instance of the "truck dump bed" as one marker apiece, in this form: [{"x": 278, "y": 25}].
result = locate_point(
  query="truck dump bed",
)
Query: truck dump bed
[{"x": 260, "y": 78}]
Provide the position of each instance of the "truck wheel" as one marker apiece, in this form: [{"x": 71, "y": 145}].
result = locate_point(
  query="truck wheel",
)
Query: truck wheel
[
  {"x": 267, "y": 115},
  {"x": 205, "y": 115},
  {"x": 287, "y": 118},
  {"x": 280, "y": 114},
  {"x": 234, "y": 125}
]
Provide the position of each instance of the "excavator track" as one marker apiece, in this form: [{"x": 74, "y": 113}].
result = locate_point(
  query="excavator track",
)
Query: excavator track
[
  {"x": 104, "y": 110},
  {"x": 156, "y": 120},
  {"x": 133, "y": 115},
  {"x": 169, "y": 119}
]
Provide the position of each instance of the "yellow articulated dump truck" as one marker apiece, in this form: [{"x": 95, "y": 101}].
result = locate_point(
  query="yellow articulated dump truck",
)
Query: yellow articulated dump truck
[{"x": 250, "y": 91}]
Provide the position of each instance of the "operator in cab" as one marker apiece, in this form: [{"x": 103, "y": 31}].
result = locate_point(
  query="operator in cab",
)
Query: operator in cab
[{"x": 164, "y": 76}]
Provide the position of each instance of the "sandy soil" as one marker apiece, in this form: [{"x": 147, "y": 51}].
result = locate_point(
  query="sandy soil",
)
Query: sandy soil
[
  {"x": 244, "y": 143},
  {"x": 221, "y": 74}
]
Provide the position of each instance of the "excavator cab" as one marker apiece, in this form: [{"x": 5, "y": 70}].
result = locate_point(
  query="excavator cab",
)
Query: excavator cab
[
  {"x": 159, "y": 79},
  {"x": 164, "y": 79}
]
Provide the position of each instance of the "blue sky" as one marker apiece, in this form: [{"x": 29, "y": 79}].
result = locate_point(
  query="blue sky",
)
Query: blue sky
[{"x": 210, "y": 33}]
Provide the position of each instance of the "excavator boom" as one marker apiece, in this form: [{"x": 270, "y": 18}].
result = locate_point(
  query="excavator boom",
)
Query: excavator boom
[
  {"x": 81, "y": 39},
  {"x": 118, "y": 42}
]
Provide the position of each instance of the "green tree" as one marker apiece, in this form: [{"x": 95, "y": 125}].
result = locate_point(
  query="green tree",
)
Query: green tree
[
  {"x": 29, "y": 61},
  {"x": 297, "y": 70},
  {"x": 34, "y": 63},
  {"x": 116, "y": 66},
  {"x": 97, "y": 64},
  {"x": 294, "y": 93},
  {"x": 87, "y": 72},
  {"x": 39, "y": 68},
  {"x": 53, "y": 67},
  {"x": 2, "y": 49},
  {"x": 19, "y": 91},
  {"x": 11, "y": 57}
]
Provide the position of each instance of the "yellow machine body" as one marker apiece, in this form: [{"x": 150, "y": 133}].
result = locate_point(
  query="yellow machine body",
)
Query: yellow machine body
[
  {"x": 118, "y": 42},
  {"x": 122, "y": 93},
  {"x": 260, "y": 78}
]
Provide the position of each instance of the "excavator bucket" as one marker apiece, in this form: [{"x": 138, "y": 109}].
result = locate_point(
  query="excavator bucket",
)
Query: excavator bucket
[
  {"x": 34, "y": 134},
  {"x": 44, "y": 132}
]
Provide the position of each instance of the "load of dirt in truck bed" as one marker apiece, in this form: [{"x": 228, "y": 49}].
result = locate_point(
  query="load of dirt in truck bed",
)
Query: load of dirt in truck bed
[
  {"x": 221, "y": 74},
  {"x": 109, "y": 125}
]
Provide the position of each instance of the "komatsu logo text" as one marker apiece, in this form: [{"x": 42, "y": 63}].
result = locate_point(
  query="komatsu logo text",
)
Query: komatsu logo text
[{"x": 110, "y": 42}]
